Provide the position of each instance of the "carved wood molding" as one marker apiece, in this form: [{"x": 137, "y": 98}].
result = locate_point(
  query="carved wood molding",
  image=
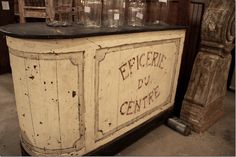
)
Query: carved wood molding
[
  {"x": 203, "y": 101},
  {"x": 218, "y": 27}
]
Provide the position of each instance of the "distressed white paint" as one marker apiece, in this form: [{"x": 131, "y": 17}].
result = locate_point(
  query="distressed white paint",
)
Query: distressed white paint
[{"x": 64, "y": 86}]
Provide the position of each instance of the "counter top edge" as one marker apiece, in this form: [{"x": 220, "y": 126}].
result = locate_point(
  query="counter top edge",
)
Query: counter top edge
[{"x": 42, "y": 31}]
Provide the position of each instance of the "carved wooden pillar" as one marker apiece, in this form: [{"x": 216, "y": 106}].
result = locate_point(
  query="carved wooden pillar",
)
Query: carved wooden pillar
[{"x": 203, "y": 102}]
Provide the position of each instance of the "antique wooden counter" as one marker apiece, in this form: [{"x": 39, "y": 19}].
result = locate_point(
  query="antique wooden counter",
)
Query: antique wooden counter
[{"x": 77, "y": 89}]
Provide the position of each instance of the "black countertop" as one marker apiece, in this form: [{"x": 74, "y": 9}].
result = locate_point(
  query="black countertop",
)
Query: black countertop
[{"x": 40, "y": 30}]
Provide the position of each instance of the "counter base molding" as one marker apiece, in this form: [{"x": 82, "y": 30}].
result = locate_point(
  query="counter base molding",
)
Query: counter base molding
[
  {"x": 203, "y": 103},
  {"x": 76, "y": 95}
]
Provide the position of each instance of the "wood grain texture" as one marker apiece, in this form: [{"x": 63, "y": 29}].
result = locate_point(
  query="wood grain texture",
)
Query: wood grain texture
[
  {"x": 52, "y": 94},
  {"x": 33, "y": 9},
  {"x": 203, "y": 101}
]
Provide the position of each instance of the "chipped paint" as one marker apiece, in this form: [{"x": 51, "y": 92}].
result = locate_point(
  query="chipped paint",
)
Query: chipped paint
[{"x": 69, "y": 92}]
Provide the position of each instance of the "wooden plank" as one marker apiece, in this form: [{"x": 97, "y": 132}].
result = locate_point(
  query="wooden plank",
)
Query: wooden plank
[
  {"x": 69, "y": 102},
  {"x": 107, "y": 120},
  {"x": 51, "y": 137},
  {"x": 43, "y": 100},
  {"x": 21, "y": 4},
  {"x": 24, "y": 107},
  {"x": 35, "y": 7},
  {"x": 31, "y": 9},
  {"x": 35, "y": 13}
]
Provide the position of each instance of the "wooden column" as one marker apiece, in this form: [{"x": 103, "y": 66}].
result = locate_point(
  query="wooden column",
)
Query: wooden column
[
  {"x": 203, "y": 102},
  {"x": 21, "y": 4}
]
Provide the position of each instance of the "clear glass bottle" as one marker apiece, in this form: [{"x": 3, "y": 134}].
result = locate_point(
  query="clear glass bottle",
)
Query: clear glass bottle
[
  {"x": 136, "y": 12},
  {"x": 113, "y": 13},
  {"x": 79, "y": 12},
  {"x": 92, "y": 13},
  {"x": 164, "y": 7},
  {"x": 59, "y": 12},
  {"x": 158, "y": 11}
]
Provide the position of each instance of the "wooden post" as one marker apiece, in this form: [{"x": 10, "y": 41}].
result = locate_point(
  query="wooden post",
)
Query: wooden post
[
  {"x": 21, "y": 6},
  {"x": 203, "y": 102}
]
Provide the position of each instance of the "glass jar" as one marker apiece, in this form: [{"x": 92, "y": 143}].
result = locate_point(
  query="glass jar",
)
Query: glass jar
[
  {"x": 113, "y": 13},
  {"x": 59, "y": 12},
  {"x": 136, "y": 12},
  {"x": 158, "y": 11},
  {"x": 92, "y": 13},
  {"x": 79, "y": 12}
]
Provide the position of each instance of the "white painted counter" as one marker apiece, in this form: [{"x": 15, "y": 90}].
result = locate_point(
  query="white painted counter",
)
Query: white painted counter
[{"x": 75, "y": 95}]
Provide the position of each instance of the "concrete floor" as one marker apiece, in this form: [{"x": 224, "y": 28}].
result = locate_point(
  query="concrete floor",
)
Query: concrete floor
[{"x": 219, "y": 140}]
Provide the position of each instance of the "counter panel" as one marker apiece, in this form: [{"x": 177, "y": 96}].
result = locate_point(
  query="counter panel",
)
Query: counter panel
[
  {"x": 139, "y": 80},
  {"x": 73, "y": 96}
]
